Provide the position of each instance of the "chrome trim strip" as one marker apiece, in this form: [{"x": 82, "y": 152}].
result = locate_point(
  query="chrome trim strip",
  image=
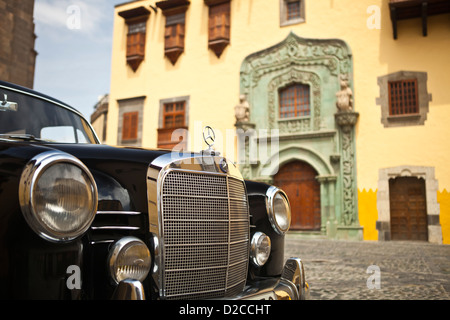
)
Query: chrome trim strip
[
  {"x": 115, "y": 228},
  {"x": 128, "y": 213}
]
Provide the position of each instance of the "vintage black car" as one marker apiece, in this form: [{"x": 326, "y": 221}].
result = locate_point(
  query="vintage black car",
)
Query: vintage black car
[{"x": 82, "y": 220}]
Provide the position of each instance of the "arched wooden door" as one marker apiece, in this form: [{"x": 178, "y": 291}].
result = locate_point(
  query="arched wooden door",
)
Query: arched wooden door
[{"x": 298, "y": 180}]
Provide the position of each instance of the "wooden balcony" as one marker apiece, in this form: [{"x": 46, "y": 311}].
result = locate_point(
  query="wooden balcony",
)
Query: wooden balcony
[
  {"x": 410, "y": 9},
  {"x": 165, "y": 138}
]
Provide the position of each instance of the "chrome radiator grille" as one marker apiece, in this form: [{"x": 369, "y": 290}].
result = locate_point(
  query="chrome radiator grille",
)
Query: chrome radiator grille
[{"x": 205, "y": 231}]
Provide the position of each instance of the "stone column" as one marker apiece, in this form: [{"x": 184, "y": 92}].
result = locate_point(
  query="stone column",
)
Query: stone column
[
  {"x": 327, "y": 195},
  {"x": 348, "y": 221}
]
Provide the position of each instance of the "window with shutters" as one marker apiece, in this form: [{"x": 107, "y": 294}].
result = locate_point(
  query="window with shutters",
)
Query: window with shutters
[
  {"x": 174, "y": 115},
  {"x": 403, "y": 98},
  {"x": 292, "y": 12},
  {"x": 174, "y": 36},
  {"x": 136, "y": 44},
  {"x": 136, "y": 20},
  {"x": 173, "y": 127},
  {"x": 219, "y": 23},
  {"x": 175, "y": 28},
  {"x": 130, "y": 126},
  {"x": 295, "y": 101},
  {"x": 130, "y": 121}
]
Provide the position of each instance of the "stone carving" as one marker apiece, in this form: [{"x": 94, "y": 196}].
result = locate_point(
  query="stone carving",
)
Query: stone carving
[
  {"x": 242, "y": 110},
  {"x": 291, "y": 126},
  {"x": 347, "y": 120},
  {"x": 296, "y": 51},
  {"x": 344, "y": 97}
]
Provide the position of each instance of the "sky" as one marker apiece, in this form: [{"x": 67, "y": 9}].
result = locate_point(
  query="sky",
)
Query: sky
[{"x": 74, "y": 44}]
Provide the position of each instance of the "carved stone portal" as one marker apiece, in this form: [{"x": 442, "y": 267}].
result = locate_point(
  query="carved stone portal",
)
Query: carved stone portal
[{"x": 324, "y": 138}]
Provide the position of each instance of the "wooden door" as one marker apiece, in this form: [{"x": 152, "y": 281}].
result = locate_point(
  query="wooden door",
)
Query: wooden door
[
  {"x": 298, "y": 180},
  {"x": 408, "y": 209}
]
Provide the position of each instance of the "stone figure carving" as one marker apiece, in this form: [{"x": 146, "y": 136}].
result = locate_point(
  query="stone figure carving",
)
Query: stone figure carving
[
  {"x": 344, "y": 101},
  {"x": 242, "y": 110}
]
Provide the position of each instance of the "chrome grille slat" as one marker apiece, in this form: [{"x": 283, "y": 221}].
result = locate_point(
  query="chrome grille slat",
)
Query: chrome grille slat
[
  {"x": 205, "y": 232},
  {"x": 107, "y": 224}
]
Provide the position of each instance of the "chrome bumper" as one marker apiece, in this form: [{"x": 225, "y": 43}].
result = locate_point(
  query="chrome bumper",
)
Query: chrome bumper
[{"x": 290, "y": 286}]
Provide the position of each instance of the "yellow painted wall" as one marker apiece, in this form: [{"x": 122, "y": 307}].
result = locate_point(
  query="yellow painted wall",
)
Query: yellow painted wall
[
  {"x": 443, "y": 199},
  {"x": 213, "y": 84},
  {"x": 368, "y": 214}
]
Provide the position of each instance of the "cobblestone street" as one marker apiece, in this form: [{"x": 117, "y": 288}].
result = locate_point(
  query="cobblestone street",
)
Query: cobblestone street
[{"x": 338, "y": 270}]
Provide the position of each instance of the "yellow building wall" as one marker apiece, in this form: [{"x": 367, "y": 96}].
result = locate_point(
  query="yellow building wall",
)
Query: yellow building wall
[
  {"x": 443, "y": 199},
  {"x": 213, "y": 83},
  {"x": 368, "y": 214}
]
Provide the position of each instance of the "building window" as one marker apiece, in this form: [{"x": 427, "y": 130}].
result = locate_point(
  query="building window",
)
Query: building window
[
  {"x": 174, "y": 37},
  {"x": 292, "y": 12},
  {"x": 174, "y": 114},
  {"x": 295, "y": 101},
  {"x": 136, "y": 20},
  {"x": 175, "y": 12},
  {"x": 130, "y": 126},
  {"x": 173, "y": 124},
  {"x": 404, "y": 98},
  {"x": 219, "y": 25},
  {"x": 136, "y": 44},
  {"x": 130, "y": 121}
]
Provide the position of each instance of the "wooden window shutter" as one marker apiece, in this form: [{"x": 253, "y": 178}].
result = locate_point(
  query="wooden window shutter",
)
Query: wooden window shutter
[
  {"x": 130, "y": 126},
  {"x": 174, "y": 34},
  {"x": 136, "y": 44},
  {"x": 136, "y": 20},
  {"x": 219, "y": 23}
]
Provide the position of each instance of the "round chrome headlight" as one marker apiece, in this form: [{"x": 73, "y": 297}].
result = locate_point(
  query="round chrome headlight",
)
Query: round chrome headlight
[
  {"x": 129, "y": 259},
  {"x": 58, "y": 196},
  {"x": 278, "y": 209},
  {"x": 260, "y": 248}
]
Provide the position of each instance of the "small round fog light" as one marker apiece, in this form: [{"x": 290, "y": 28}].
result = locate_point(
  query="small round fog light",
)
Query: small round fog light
[
  {"x": 129, "y": 258},
  {"x": 260, "y": 249}
]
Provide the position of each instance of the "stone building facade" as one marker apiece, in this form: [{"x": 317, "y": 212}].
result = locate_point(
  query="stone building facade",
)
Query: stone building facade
[{"x": 17, "y": 38}]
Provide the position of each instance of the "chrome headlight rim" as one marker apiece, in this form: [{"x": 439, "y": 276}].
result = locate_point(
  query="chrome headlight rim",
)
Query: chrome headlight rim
[
  {"x": 271, "y": 193},
  {"x": 29, "y": 178},
  {"x": 115, "y": 252},
  {"x": 255, "y": 247}
]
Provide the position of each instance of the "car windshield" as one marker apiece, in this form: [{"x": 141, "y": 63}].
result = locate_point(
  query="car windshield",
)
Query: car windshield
[{"x": 32, "y": 118}]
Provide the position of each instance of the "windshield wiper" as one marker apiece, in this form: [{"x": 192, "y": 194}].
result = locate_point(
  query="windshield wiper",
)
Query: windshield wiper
[{"x": 25, "y": 137}]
